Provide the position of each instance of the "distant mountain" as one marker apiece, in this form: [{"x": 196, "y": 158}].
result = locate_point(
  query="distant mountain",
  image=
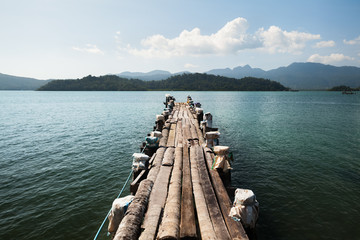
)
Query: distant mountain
[
  {"x": 303, "y": 76},
  {"x": 153, "y": 75},
  {"x": 238, "y": 72},
  {"x": 310, "y": 76},
  {"x": 8, "y": 82},
  {"x": 149, "y": 76},
  {"x": 183, "y": 82}
]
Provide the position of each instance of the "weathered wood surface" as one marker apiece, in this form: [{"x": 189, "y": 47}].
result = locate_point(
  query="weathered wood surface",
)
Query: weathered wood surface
[
  {"x": 170, "y": 225},
  {"x": 168, "y": 159},
  {"x": 210, "y": 197},
  {"x": 236, "y": 230},
  {"x": 156, "y": 203},
  {"x": 187, "y": 225},
  {"x": 188, "y": 199},
  {"x": 165, "y": 134},
  {"x": 129, "y": 227},
  {"x": 186, "y": 129},
  {"x": 171, "y": 138},
  {"x": 199, "y": 132},
  {"x": 179, "y": 135},
  {"x": 203, "y": 216},
  {"x": 156, "y": 164}
]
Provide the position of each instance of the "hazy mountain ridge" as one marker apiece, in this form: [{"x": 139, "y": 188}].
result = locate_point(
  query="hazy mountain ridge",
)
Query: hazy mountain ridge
[
  {"x": 149, "y": 76},
  {"x": 300, "y": 75},
  {"x": 311, "y": 76},
  {"x": 308, "y": 76},
  {"x": 9, "y": 82}
]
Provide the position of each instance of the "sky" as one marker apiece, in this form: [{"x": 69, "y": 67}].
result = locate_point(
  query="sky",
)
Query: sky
[{"x": 60, "y": 39}]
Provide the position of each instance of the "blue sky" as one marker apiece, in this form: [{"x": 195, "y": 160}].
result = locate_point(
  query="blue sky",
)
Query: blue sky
[{"x": 74, "y": 38}]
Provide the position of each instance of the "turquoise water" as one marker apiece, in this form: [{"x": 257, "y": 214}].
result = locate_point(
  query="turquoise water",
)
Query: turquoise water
[{"x": 65, "y": 155}]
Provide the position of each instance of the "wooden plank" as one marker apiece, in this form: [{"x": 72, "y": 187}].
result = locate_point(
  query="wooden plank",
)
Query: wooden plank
[
  {"x": 235, "y": 229},
  {"x": 179, "y": 135},
  {"x": 199, "y": 132},
  {"x": 170, "y": 225},
  {"x": 135, "y": 184},
  {"x": 176, "y": 113},
  {"x": 187, "y": 224},
  {"x": 171, "y": 138},
  {"x": 210, "y": 197},
  {"x": 186, "y": 129},
  {"x": 129, "y": 227},
  {"x": 205, "y": 224},
  {"x": 193, "y": 132},
  {"x": 156, "y": 164},
  {"x": 156, "y": 204}
]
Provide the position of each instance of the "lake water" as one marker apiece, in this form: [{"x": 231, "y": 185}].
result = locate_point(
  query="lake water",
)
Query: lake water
[{"x": 65, "y": 155}]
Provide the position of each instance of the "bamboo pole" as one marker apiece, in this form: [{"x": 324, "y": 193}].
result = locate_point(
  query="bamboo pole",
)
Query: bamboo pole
[
  {"x": 236, "y": 230},
  {"x": 129, "y": 227},
  {"x": 170, "y": 225}
]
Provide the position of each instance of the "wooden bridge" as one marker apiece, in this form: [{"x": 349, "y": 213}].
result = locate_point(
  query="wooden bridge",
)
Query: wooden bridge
[{"x": 180, "y": 196}]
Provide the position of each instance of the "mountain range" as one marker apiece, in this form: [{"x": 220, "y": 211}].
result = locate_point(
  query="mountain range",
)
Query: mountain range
[{"x": 302, "y": 76}]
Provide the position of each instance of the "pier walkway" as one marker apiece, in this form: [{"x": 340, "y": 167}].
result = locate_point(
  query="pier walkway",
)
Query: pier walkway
[{"x": 179, "y": 195}]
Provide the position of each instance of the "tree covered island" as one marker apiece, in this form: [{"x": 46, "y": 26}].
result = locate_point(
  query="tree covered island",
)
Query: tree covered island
[{"x": 183, "y": 82}]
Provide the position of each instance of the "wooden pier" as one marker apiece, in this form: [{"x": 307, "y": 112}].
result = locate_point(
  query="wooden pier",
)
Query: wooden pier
[{"x": 179, "y": 195}]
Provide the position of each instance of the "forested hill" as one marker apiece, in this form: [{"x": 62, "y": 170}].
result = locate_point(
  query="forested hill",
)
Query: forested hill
[{"x": 184, "y": 82}]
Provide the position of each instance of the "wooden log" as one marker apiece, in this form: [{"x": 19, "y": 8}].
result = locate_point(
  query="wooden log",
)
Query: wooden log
[
  {"x": 156, "y": 204},
  {"x": 187, "y": 225},
  {"x": 168, "y": 159},
  {"x": 129, "y": 227},
  {"x": 205, "y": 224},
  {"x": 164, "y": 138},
  {"x": 156, "y": 164},
  {"x": 135, "y": 184},
  {"x": 235, "y": 229},
  {"x": 171, "y": 138},
  {"x": 170, "y": 225},
  {"x": 210, "y": 197}
]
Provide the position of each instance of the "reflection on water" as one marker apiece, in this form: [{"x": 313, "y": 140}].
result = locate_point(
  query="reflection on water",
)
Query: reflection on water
[{"x": 65, "y": 155}]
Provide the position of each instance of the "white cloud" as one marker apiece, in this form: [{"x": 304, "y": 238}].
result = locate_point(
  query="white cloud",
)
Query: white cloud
[
  {"x": 230, "y": 39},
  {"x": 189, "y": 65},
  {"x": 332, "y": 58},
  {"x": 276, "y": 40},
  {"x": 353, "y": 41},
  {"x": 324, "y": 44},
  {"x": 89, "y": 48}
]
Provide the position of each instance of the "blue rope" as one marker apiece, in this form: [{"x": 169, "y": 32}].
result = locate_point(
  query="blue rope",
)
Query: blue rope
[{"x": 127, "y": 180}]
